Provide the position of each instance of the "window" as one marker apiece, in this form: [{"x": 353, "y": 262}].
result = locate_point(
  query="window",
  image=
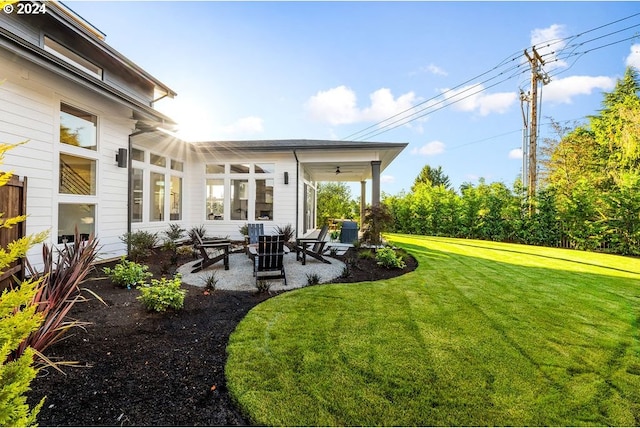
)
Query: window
[
  {"x": 264, "y": 200},
  {"x": 156, "y": 204},
  {"x": 239, "y": 199},
  {"x": 137, "y": 188},
  {"x": 177, "y": 165},
  {"x": 176, "y": 198},
  {"x": 77, "y": 175},
  {"x": 215, "y": 199},
  {"x": 137, "y": 155},
  {"x": 265, "y": 168},
  {"x": 78, "y": 128},
  {"x": 71, "y": 216},
  {"x": 158, "y": 160},
  {"x": 71, "y": 57},
  {"x": 240, "y": 168},
  {"x": 214, "y": 169}
]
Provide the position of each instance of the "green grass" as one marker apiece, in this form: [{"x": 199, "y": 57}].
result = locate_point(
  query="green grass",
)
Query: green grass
[{"x": 481, "y": 333}]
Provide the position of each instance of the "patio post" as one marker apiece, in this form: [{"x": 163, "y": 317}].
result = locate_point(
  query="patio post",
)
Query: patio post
[
  {"x": 363, "y": 200},
  {"x": 375, "y": 182}
]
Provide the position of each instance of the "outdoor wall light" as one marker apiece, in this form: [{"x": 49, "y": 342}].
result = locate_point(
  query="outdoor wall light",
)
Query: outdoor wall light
[
  {"x": 121, "y": 158},
  {"x": 286, "y": 177}
]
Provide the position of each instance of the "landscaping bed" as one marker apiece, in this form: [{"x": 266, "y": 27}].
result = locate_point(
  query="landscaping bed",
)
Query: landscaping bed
[{"x": 164, "y": 369}]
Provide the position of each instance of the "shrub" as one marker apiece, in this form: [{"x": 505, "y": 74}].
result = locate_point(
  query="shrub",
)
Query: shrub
[
  {"x": 244, "y": 229},
  {"x": 210, "y": 281},
  {"x": 287, "y": 230},
  {"x": 200, "y": 230},
  {"x": 263, "y": 286},
  {"x": 366, "y": 254},
  {"x": 18, "y": 319},
  {"x": 175, "y": 232},
  {"x": 162, "y": 294},
  {"x": 127, "y": 274},
  {"x": 346, "y": 271},
  {"x": 388, "y": 258},
  {"x": 140, "y": 244},
  {"x": 313, "y": 279},
  {"x": 60, "y": 290},
  {"x": 185, "y": 251}
]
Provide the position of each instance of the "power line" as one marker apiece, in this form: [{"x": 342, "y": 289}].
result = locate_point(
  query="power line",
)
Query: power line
[{"x": 422, "y": 109}]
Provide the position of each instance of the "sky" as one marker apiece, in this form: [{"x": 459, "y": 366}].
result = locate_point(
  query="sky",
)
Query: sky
[{"x": 444, "y": 77}]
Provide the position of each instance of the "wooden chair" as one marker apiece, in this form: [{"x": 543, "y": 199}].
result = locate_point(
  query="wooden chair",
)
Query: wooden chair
[
  {"x": 269, "y": 258},
  {"x": 222, "y": 245},
  {"x": 313, "y": 247},
  {"x": 254, "y": 230}
]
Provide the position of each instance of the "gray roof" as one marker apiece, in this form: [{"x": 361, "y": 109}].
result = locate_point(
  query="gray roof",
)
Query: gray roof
[{"x": 290, "y": 145}]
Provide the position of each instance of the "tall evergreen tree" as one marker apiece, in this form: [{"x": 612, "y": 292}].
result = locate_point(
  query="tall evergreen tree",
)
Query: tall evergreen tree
[{"x": 433, "y": 177}]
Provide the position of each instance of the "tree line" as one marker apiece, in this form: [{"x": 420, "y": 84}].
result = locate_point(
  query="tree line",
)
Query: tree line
[{"x": 588, "y": 196}]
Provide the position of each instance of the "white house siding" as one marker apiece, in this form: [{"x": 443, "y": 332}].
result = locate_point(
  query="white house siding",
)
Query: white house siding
[{"x": 29, "y": 110}]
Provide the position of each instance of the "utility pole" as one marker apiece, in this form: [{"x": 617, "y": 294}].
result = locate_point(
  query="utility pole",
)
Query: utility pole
[{"x": 536, "y": 62}]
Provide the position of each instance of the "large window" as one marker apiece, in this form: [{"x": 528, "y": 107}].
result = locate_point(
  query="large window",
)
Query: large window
[
  {"x": 78, "y": 128},
  {"x": 137, "y": 199},
  {"x": 215, "y": 199},
  {"x": 156, "y": 203},
  {"x": 77, "y": 175},
  {"x": 176, "y": 198},
  {"x": 71, "y": 216},
  {"x": 264, "y": 199},
  {"x": 240, "y": 191},
  {"x": 239, "y": 199}
]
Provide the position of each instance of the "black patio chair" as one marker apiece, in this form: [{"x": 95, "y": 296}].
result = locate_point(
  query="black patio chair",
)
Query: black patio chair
[
  {"x": 313, "y": 247},
  {"x": 222, "y": 245},
  {"x": 269, "y": 258}
]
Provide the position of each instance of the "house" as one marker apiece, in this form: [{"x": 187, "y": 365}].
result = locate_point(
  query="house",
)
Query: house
[{"x": 101, "y": 157}]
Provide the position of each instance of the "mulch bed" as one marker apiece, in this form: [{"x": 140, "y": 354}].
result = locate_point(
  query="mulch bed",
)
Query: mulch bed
[{"x": 138, "y": 368}]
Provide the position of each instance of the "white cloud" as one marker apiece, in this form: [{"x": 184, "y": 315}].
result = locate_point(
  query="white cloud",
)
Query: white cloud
[
  {"x": 472, "y": 98},
  {"x": 548, "y": 41},
  {"x": 338, "y": 106},
  {"x": 633, "y": 60},
  {"x": 245, "y": 125},
  {"x": 434, "y": 69},
  {"x": 430, "y": 149},
  {"x": 515, "y": 154},
  {"x": 387, "y": 179},
  {"x": 562, "y": 90}
]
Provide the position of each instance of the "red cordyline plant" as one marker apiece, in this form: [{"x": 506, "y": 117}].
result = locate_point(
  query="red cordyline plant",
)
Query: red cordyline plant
[{"x": 59, "y": 290}]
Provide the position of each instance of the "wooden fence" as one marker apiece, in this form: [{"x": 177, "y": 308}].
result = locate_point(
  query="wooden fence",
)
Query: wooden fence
[{"x": 13, "y": 202}]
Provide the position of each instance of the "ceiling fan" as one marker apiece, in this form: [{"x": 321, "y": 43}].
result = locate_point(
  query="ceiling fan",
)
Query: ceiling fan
[{"x": 340, "y": 172}]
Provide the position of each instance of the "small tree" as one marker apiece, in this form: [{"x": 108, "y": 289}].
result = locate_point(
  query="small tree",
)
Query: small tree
[
  {"x": 18, "y": 319},
  {"x": 377, "y": 218}
]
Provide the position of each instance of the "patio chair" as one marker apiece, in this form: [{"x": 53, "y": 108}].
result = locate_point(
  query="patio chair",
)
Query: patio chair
[
  {"x": 313, "y": 247},
  {"x": 254, "y": 230},
  {"x": 222, "y": 245},
  {"x": 269, "y": 258}
]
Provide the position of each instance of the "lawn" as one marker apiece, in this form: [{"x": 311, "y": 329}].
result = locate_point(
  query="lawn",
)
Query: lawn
[{"x": 482, "y": 333}]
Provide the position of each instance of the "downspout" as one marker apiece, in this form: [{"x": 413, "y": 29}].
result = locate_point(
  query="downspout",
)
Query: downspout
[{"x": 297, "y": 193}]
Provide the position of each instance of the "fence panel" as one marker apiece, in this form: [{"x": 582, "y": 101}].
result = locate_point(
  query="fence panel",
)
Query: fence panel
[{"x": 13, "y": 202}]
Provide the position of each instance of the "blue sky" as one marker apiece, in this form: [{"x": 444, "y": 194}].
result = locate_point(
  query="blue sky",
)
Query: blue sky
[{"x": 335, "y": 70}]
